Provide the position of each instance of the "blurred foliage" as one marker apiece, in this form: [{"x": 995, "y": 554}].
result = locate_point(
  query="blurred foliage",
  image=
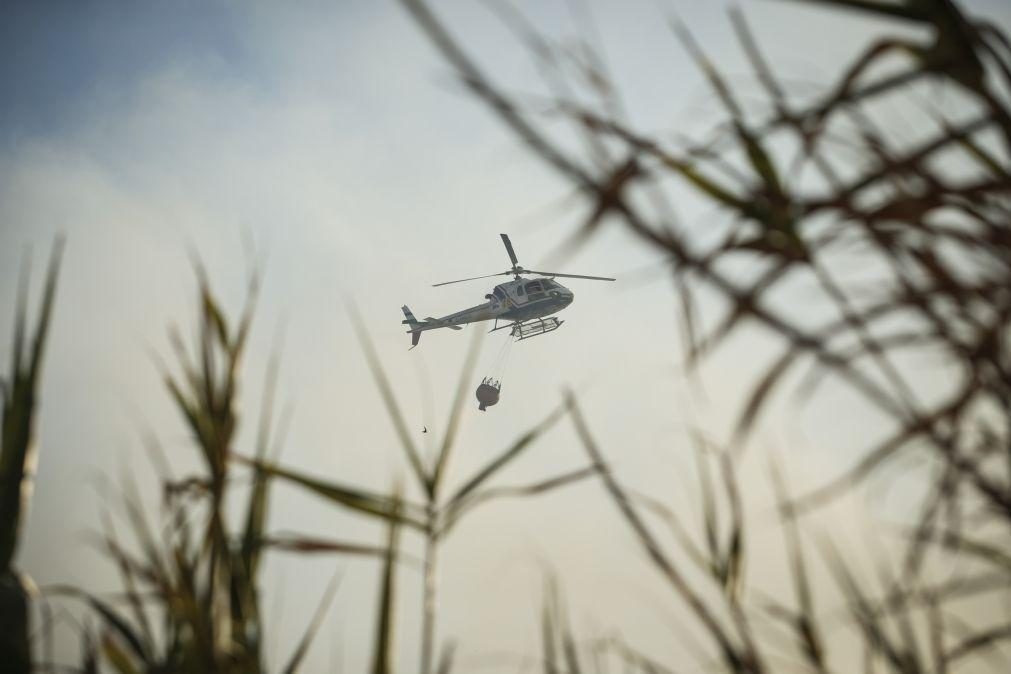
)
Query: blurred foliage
[
  {"x": 808, "y": 183},
  {"x": 812, "y": 184},
  {"x": 20, "y": 402}
]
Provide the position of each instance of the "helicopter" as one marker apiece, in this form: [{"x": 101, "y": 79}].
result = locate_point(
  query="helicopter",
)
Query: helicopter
[{"x": 524, "y": 305}]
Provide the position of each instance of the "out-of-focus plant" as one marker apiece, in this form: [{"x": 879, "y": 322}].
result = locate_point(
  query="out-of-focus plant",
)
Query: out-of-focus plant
[
  {"x": 191, "y": 596},
  {"x": 20, "y": 405},
  {"x": 810, "y": 185},
  {"x": 442, "y": 507}
]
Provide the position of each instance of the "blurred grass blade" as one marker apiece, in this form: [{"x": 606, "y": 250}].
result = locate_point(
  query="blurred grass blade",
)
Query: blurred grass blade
[
  {"x": 382, "y": 659},
  {"x": 507, "y": 456},
  {"x": 128, "y": 578},
  {"x": 256, "y": 509},
  {"x": 760, "y": 394},
  {"x": 733, "y": 658},
  {"x": 874, "y": 633},
  {"x": 307, "y": 544},
  {"x": 463, "y": 507},
  {"x": 805, "y": 623},
  {"x": 89, "y": 653},
  {"x": 355, "y": 499},
  {"x": 909, "y": 11},
  {"x": 710, "y": 522},
  {"x": 680, "y": 532},
  {"x": 114, "y": 622},
  {"x": 734, "y": 565},
  {"x": 462, "y": 387},
  {"x": 549, "y": 647},
  {"x": 310, "y": 632},
  {"x": 117, "y": 657},
  {"x": 17, "y": 427},
  {"x": 19, "y": 407},
  {"x": 446, "y": 659},
  {"x": 410, "y": 449},
  {"x": 569, "y": 650}
]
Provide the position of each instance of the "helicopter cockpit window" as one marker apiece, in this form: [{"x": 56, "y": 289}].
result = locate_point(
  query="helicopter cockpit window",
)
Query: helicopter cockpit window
[
  {"x": 549, "y": 284},
  {"x": 534, "y": 287},
  {"x": 520, "y": 291},
  {"x": 499, "y": 293}
]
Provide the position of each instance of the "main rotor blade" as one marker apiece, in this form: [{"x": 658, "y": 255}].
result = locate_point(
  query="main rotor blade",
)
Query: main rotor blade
[
  {"x": 472, "y": 278},
  {"x": 509, "y": 248},
  {"x": 552, "y": 273}
]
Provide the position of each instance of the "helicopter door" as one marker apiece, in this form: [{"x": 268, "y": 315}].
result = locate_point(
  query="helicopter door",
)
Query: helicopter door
[
  {"x": 499, "y": 297},
  {"x": 534, "y": 291}
]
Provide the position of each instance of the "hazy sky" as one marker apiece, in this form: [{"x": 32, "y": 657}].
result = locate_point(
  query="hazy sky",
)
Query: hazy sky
[{"x": 334, "y": 134}]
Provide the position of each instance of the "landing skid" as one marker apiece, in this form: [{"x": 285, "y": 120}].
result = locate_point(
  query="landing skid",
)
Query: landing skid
[{"x": 521, "y": 330}]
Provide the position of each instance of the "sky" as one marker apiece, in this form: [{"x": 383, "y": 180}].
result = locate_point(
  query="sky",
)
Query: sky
[{"x": 333, "y": 136}]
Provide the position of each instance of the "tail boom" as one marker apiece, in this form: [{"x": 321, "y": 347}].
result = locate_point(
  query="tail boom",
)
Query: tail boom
[{"x": 417, "y": 327}]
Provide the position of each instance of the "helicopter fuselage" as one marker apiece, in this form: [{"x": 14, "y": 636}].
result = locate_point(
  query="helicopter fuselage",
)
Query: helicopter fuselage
[{"x": 516, "y": 301}]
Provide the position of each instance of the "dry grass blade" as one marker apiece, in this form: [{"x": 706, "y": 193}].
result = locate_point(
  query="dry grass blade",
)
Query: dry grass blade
[
  {"x": 535, "y": 489},
  {"x": 359, "y": 500},
  {"x": 978, "y": 642},
  {"x": 466, "y": 376},
  {"x": 556, "y": 631},
  {"x": 572, "y": 663},
  {"x": 733, "y": 575},
  {"x": 446, "y": 659},
  {"x": 773, "y": 199},
  {"x": 406, "y": 441},
  {"x": 634, "y": 659},
  {"x": 885, "y": 450},
  {"x": 805, "y": 621},
  {"x": 549, "y": 637},
  {"x": 734, "y": 659},
  {"x": 306, "y": 544},
  {"x": 116, "y": 656},
  {"x": 112, "y": 619},
  {"x": 511, "y": 453},
  {"x": 303, "y": 646},
  {"x": 382, "y": 659},
  {"x": 710, "y": 515},
  {"x": 990, "y": 553},
  {"x": 910, "y": 11},
  {"x": 874, "y": 633},
  {"x": 258, "y": 506},
  {"x": 19, "y": 407},
  {"x": 673, "y": 522},
  {"x": 129, "y": 578},
  {"x": 760, "y": 394},
  {"x": 502, "y": 106}
]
